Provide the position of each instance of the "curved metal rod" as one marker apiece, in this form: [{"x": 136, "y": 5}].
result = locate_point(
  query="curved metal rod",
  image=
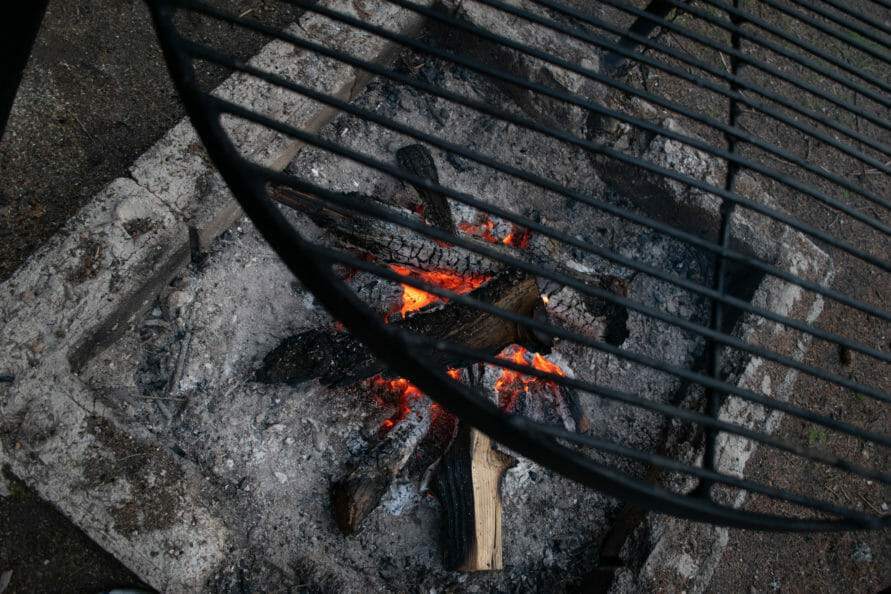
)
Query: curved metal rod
[{"x": 396, "y": 348}]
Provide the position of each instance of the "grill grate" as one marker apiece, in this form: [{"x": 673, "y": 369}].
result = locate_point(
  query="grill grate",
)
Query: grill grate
[{"x": 752, "y": 141}]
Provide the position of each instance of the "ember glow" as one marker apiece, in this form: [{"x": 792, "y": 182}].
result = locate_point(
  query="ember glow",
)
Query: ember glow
[
  {"x": 511, "y": 382},
  {"x": 518, "y": 237},
  {"x": 408, "y": 395},
  {"x": 414, "y": 299},
  {"x": 508, "y": 386}
]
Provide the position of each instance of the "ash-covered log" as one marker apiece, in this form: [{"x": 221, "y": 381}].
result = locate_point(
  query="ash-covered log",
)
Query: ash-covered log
[
  {"x": 358, "y": 492},
  {"x": 387, "y": 241},
  {"x": 417, "y": 160}
]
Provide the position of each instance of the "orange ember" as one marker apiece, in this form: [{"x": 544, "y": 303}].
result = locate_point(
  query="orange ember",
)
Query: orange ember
[
  {"x": 512, "y": 382},
  {"x": 408, "y": 395},
  {"x": 414, "y": 299},
  {"x": 518, "y": 237}
]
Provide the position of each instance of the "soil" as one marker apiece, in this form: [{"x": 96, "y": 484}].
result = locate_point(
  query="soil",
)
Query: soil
[{"x": 96, "y": 94}]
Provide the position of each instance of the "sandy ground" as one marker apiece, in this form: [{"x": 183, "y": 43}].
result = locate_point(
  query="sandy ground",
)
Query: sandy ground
[{"x": 96, "y": 95}]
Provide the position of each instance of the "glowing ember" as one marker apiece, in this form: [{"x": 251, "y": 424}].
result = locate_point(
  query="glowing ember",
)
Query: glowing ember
[
  {"x": 518, "y": 237},
  {"x": 510, "y": 385},
  {"x": 408, "y": 395},
  {"x": 511, "y": 382},
  {"x": 414, "y": 299}
]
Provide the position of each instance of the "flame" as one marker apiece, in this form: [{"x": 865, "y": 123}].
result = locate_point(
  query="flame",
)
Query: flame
[
  {"x": 509, "y": 385},
  {"x": 518, "y": 237},
  {"x": 414, "y": 299}
]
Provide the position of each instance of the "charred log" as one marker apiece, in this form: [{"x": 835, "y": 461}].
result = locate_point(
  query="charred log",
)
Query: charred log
[
  {"x": 599, "y": 319},
  {"x": 385, "y": 240},
  {"x": 359, "y": 491},
  {"x": 417, "y": 160},
  {"x": 340, "y": 359}
]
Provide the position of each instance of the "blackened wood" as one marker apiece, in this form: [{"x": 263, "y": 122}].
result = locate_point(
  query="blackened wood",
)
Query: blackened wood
[
  {"x": 594, "y": 317},
  {"x": 468, "y": 478},
  {"x": 387, "y": 241},
  {"x": 417, "y": 160},
  {"x": 340, "y": 359},
  {"x": 359, "y": 491}
]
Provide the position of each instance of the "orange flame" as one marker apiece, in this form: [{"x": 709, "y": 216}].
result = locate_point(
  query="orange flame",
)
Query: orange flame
[{"x": 414, "y": 299}]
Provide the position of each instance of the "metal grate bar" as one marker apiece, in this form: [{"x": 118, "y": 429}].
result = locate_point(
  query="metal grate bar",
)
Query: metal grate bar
[
  {"x": 699, "y": 65},
  {"x": 810, "y": 230},
  {"x": 845, "y": 9},
  {"x": 867, "y": 32},
  {"x": 780, "y": 50},
  {"x": 741, "y": 134},
  {"x": 702, "y": 330},
  {"x": 351, "y": 205},
  {"x": 694, "y": 36},
  {"x": 619, "y": 396},
  {"x": 847, "y": 24},
  {"x": 205, "y": 53}
]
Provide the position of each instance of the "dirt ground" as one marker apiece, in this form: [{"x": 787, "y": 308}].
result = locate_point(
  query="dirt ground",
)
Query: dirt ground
[{"x": 96, "y": 95}]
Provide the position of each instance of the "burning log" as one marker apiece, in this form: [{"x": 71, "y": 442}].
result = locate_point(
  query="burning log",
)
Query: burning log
[
  {"x": 593, "y": 317},
  {"x": 340, "y": 359},
  {"x": 468, "y": 478},
  {"x": 358, "y": 492},
  {"x": 387, "y": 241}
]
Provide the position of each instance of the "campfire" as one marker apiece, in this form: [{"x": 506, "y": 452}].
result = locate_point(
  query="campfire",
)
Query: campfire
[{"x": 466, "y": 465}]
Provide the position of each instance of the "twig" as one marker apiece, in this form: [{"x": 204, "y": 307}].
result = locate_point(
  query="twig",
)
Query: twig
[
  {"x": 84, "y": 128},
  {"x": 174, "y": 398},
  {"x": 180, "y": 360},
  {"x": 871, "y": 506}
]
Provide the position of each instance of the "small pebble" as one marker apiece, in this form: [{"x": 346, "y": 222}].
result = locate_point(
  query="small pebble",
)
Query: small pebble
[
  {"x": 157, "y": 312},
  {"x": 862, "y": 553}
]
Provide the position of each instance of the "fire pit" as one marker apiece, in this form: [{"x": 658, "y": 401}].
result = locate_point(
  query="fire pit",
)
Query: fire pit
[{"x": 499, "y": 213}]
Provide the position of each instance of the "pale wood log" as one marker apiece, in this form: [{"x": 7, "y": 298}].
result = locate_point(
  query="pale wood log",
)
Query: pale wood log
[{"x": 469, "y": 477}]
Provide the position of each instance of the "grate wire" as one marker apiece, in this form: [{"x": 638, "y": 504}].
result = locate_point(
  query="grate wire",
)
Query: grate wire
[{"x": 631, "y": 43}]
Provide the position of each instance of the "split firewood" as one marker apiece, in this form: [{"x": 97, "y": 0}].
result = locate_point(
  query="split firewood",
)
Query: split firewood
[
  {"x": 468, "y": 477},
  {"x": 359, "y": 491},
  {"x": 468, "y": 482},
  {"x": 338, "y": 359}
]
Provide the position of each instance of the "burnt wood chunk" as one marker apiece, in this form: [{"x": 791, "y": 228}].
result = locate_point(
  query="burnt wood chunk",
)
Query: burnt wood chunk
[
  {"x": 594, "y": 317},
  {"x": 468, "y": 479},
  {"x": 359, "y": 491},
  {"x": 340, "y": 359},
  {"x": 417, "y": 160},
  {"x": 384, "y": 240}
]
